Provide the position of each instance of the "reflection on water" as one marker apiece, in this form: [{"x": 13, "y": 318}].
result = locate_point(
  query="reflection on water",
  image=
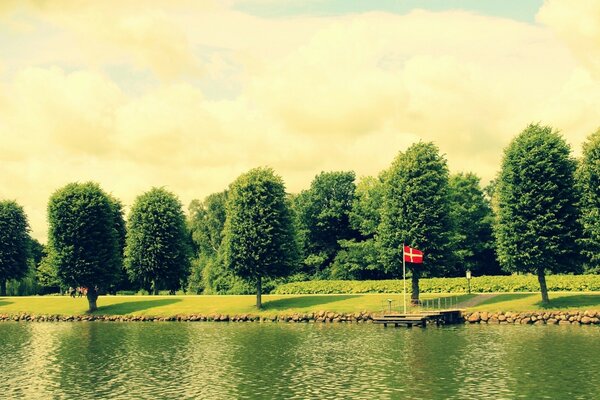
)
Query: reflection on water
[{"x": 296, "y": 361}]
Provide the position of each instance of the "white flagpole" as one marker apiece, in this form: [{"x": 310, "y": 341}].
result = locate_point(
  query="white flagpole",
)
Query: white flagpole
[{"x": 404, "y": 276}]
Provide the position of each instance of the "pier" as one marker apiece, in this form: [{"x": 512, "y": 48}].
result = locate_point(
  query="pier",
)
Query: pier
[{"x": 439, "y": 317}]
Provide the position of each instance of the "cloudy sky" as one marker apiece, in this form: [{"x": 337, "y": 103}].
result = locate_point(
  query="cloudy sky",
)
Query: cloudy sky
[{"x": 188, "y": 94}]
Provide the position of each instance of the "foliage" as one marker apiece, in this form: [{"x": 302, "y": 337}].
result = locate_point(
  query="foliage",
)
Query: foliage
[
  {"x": 82, "y": 238},
  {"x": 14, "y": 242},
  {"x": 416, "y": 212},
  {"x": 323, "y": 213},
  {"x": 157, "y": 249},
  {"x": 365, "y": 215},
  {"x": 472, "y": 240},
  {"x": 357, "y": 260},
  {"x": 480, "y": 284},
  {"x": 537, "y": 223},
  {"x": 206, "y": 223},
  {"x": 259, "y": 236},
  {"x": 588, "y": 179}
]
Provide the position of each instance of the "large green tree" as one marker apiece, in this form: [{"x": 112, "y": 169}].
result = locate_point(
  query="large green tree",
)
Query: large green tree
[
  {"x": 472, "y": 240},
  {"x": 323, "y": 212},
  {"x": 157, "y": 252},
  {"x": 83, "y": 242},
  {"x": 416, "y": 212},
  {"x": 14, "y": 243},
  {"x": 206, "y": 223},
  {"x": 588, "y": 178},
  {"x": 537, "y": 227},
  {"x": 259, "y": 237},
  {"x": 359, "y": 258}
]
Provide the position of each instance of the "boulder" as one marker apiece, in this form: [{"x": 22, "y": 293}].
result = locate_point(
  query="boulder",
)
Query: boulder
[{"x": 475, "y": 317}]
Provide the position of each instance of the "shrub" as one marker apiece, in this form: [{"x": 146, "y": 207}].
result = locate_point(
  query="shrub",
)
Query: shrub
[{"x": 482, "y": 284}]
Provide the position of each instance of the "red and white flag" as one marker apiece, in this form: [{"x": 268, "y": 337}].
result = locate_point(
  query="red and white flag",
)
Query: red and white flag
[{"x": 413, "y": 255}]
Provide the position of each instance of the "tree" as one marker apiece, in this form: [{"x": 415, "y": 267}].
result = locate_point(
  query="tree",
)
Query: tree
[
  {"x": 360, "y": 259},
  {"x": 537, "y": 227},
  {"x": 324, "y": 215},
  {"x": 472, "y": 219},
  {"x": 416, "y": 212},
  {"x": 205, "y": 224},
  {"x": 588, "y": 179},
  {"x": 122, "y": 281},
  {"x": 83, "y": 243},
  {"x": 14, "y": 243},
  {"x": 259, "y": 237},
  {"x": 157, "y": 252}
]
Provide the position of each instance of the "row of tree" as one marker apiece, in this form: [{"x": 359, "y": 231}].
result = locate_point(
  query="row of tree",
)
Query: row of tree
[{"x": 540, "y": 214}]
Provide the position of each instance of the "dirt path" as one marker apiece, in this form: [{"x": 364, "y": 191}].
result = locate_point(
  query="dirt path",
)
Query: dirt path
[{"x": 480, "y": 298}]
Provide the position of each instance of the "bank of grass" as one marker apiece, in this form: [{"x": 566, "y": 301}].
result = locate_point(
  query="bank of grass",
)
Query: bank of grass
[
  {"x": 208, "y": 305},
  {"x": 283, "y": 304}
]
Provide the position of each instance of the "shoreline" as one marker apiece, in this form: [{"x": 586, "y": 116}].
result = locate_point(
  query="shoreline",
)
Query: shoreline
[{"x": 587, "y": 317}]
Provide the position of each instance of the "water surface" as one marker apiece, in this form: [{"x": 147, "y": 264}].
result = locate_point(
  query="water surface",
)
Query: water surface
[{"x": 296, "y": 361}]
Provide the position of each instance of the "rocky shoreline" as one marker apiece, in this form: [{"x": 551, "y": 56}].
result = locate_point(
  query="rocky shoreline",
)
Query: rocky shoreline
[{"x": 587, "y": 317}]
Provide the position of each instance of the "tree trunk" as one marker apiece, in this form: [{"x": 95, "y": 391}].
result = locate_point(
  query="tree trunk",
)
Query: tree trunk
[
  {"x": 414, "y": 297},
  {"x": 2, "y": 287},
  {"x": 543, "y": 288},
  {"x": 92, "y": 296},
  {"x": 259, "y": 293}
]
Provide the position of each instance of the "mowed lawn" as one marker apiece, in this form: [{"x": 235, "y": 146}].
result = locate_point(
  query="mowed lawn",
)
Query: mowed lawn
[
  {"x": 283, "y": 304},
  {"x": 207, "y": 305},
  {"x": 532, "y": 302}
]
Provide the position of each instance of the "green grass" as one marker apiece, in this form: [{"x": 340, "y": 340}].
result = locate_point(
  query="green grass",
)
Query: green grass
[
  {"x": 205, "y": 305},
  {"x": 278, "y": 304},
  {"x": 532, "y": 302}
]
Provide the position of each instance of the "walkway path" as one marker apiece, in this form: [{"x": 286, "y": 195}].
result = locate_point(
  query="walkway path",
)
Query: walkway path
[{"x": 480, "y": 298}]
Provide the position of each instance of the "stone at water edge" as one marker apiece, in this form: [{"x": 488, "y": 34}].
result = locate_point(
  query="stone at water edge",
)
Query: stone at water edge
[{"x": 474, "y": 317}]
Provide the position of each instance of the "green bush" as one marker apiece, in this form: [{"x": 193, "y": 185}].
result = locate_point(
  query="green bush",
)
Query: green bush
[{"x": 481, "y": 284}]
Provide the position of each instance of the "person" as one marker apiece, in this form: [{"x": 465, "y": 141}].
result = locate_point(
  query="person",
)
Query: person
[{"x": 71, "y": 291}]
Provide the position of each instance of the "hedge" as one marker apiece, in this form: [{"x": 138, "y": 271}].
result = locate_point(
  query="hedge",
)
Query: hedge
[{"x": 481, "y": 284}]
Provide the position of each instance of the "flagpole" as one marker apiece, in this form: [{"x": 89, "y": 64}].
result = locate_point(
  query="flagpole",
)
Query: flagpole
[{"x": 404, "y": 276}]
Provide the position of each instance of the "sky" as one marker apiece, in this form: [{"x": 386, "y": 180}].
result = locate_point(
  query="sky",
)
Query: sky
[{"x": 187, "y": 95}]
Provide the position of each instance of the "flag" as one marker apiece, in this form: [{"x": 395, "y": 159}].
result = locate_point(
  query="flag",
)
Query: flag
[{"x": 413, "y": 255}]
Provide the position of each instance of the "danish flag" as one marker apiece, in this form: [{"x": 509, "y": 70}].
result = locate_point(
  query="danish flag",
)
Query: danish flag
[{"x": 413, "y": 255}]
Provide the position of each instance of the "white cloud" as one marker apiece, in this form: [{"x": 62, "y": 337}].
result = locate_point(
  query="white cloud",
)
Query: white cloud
[{"x": 311, "y": 94}]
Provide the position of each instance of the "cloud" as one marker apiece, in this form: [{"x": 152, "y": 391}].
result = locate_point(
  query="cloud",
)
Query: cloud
[
  {"x": 302, "y": 95},
  {"x": 578, "y": 24}
]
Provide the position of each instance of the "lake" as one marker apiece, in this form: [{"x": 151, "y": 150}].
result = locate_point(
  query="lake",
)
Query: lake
[{"x": 296, "y": 361}]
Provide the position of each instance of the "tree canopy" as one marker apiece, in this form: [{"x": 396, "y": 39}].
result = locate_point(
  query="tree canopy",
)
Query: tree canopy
[
  {"x": 259, "y": 239},
  {"x": 83, "y": 240},
  {"x": 588, "y": 177},
  {"x": 416, "y": 212},
  {"x": 537, "y": 227},
  {"x": 323, "y": 212},
  {"x": 14, "y": 243},
  {"x": 157, "y": 250},
  {"x": 472, "y": 219}
]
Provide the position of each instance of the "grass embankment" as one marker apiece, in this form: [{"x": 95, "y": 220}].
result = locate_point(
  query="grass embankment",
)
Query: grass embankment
[
  {"x": 280, "y": 304},
  {"x": 207, "y": 305}
]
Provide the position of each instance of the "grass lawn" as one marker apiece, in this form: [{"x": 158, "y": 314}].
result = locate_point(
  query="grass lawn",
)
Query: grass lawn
[
  {"x": 532, "y": 302},
  {"x": 280, "y": 304},
  {"x": 206, "y": 305}
]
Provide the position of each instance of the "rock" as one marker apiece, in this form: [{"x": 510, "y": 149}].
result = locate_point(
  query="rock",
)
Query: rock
[
  {"x": 564, "y": 322},
  {"x": 493, "y": 321},
  {"x": 586, "y": 320},
  {"x": 589, "y": 313},
  {"x": 501, "y": 317},
  {"x": 484, "y": 316},
  {"x": 539, "y": 322},
  {"x": 475, "y": 317}
]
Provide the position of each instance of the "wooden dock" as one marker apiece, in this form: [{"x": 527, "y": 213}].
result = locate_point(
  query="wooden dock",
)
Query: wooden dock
[{"x": 439, "y": 317}]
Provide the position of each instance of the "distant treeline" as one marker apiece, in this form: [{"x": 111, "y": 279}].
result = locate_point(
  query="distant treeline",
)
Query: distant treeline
[{"x": 541, "y": 214}]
